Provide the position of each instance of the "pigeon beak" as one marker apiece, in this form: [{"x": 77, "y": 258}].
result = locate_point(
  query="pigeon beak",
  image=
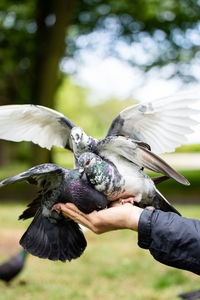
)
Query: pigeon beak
[{"x": 81, "y": 171}]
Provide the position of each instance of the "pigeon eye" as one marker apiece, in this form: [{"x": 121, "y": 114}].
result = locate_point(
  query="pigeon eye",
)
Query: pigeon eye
[{"x": 87, "y": 162}]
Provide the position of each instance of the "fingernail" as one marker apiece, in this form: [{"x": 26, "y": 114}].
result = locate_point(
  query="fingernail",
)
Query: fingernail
[{"x": 57, "y": 208}]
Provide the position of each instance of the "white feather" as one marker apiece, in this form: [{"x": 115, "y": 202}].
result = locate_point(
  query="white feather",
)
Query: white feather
[
  {"x": 165, "y": 123},
  {"x": 38, "y": 124}
]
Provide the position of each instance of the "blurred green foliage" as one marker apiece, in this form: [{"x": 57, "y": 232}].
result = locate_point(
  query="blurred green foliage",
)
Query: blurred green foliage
[
  {"x": 31, "y": 39},
  {"x": 189, "y": 148},
  {"x": 72, "y": 101},
  {"x": 163, "y": 29},
  {"x": 176, "y": 192}
]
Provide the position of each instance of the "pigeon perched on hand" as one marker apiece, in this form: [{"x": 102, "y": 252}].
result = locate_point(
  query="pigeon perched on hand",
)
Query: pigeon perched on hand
[
  {"x": 159, "y": 126},
  {"x": 13, "y": 266},
  {"x": 124, "y": 183},
  {"x": 50, "y": 235}
]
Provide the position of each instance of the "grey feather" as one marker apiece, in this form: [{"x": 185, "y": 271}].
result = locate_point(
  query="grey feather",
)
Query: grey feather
[
  {"x": 117, "y": 183},
  {"x": 50, "y": 235}
]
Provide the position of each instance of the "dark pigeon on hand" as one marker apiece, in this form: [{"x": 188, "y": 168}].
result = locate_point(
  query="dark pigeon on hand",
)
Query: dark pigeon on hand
[
  {"x": 158, "y": 126},
  {"x": 50, "y": 235},
  {"x": 12, "y": 267}
]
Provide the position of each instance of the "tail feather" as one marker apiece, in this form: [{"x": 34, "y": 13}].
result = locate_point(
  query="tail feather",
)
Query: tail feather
[
  {"x": 160, "y": 202},
  {"x": 56, "y": 241},
  {"x": 32, "y": 209},
  {"x": 70, "y": 243}
]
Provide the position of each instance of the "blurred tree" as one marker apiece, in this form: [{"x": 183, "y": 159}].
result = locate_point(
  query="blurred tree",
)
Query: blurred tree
[
  {"x": 52, "y": 18},
  {"x": 168, "y": 31},
  {"x": 35, "y": 34}
]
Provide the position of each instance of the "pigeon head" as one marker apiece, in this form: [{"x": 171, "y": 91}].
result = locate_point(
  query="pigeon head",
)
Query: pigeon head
[
  {"x": 88, "y": 160},
  {"x": 79, "y": 138},
  {"x": 94, "y": 167}
]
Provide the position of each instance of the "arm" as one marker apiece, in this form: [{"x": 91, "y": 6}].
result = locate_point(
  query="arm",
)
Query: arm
[
  {"x": 171, "y": 239},
  {"x": 116, "y": 217}
]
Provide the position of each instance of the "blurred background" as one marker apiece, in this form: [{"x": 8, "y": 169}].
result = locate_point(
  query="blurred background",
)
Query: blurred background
[{"x": 89, "y": 60}]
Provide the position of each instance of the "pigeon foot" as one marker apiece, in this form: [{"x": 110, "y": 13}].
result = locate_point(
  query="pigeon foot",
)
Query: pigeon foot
[{"x": 127, "y": 200}]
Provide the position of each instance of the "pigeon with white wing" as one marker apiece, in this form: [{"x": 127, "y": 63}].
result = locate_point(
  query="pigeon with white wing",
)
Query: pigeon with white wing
[
  {"x": 151, "y": 128},
  {"x": 126, "y": 183}
]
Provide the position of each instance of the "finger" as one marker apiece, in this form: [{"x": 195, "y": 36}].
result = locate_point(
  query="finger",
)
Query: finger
[
  {"x": 61, "y": 207},
  {"x": 67, "y": 209},
  {"x": 75, "y": 209},
  {"x": 71, "y": 211},
  {"x": 56, "y": 207},
  {"x": 115, "y": 203}
]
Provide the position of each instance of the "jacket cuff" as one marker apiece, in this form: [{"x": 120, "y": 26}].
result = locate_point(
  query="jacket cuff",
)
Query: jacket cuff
[{"x": 144, "y": 229}]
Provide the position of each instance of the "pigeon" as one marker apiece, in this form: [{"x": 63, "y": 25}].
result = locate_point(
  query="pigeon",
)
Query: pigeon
[
  {"x": 128, "y": 185},
  {"x": 50, "y": 235},
  {"x": 152, "y": 127},
  {"x": 191, "y": 295},
  {"x": 12, "y": 267}
]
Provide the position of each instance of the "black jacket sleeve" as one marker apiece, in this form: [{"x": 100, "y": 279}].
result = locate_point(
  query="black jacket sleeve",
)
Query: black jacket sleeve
[{"x": 171, "y": 239}]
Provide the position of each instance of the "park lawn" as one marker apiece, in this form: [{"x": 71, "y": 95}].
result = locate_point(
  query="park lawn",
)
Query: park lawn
[{"x": 112, "y": 267}]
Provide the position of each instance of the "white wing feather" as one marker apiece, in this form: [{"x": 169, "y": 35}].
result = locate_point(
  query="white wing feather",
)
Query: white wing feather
[
  {"x": 41, "y": 125},
  {"x": 164, "y": 123}
]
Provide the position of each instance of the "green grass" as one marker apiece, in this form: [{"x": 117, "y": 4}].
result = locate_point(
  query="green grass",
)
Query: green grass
[
  {"x": 112, "y": 267},
  {"x": 189, "y": 148},
  {"x": 176, "y": 192}
]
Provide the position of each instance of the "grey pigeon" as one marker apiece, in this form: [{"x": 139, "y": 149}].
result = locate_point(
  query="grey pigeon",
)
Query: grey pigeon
[
  {"x": 129, "y": 184},
  {"x": 158, "y": 126},
  {"x": 190, "y": 295},
  {"x": 50, "y": 235},
  {"x": 13, "y": 266}
]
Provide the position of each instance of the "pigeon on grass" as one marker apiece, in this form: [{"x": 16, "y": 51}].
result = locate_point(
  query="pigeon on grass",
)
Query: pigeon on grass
[
  {"x": 12, "y": 267},
  {"x": 190, "y": 295},
  {"x": 50, "y": 235},
  {"x": 158, "y": 126}
]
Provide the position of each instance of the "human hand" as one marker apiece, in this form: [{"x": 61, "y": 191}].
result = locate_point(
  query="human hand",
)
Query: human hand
[{"x": 117, "y": 216}]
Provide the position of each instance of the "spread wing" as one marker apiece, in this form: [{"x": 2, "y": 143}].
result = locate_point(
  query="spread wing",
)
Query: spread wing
[
  {"x": 45, "y": 175},
  {"x": 163, "y": 124},
  {"x": 41, "y": 125},
  {"x": 138, "y": 154}
]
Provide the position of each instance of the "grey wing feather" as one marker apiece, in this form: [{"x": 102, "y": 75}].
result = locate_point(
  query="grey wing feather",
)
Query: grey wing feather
[
  {"x": 154, "y": 163},
  {"x": 38, "y": 124},
  {"x": 137, "y": 153},
  {"x": 41, "y": 175}
]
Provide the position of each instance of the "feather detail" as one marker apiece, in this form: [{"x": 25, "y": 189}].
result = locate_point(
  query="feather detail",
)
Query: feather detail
[
  {"x": 41, "y": 125},
  {"x": 164, "y": 123}
]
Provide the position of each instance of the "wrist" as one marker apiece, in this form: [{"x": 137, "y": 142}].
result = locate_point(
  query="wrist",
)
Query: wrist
[{"x": 134, "y": 216}]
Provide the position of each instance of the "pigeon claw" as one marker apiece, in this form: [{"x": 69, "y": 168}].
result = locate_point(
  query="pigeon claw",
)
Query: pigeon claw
[{"x": 127, "y": 200}]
